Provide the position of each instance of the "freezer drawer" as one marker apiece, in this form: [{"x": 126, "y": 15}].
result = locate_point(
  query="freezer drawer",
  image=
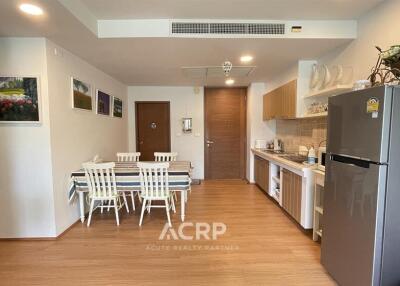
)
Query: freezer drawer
[
  {"x": 355, "y": 131},
  {"x": 353, "y": 215}
]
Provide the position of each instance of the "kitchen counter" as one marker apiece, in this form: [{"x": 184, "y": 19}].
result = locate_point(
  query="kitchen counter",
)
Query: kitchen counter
[
  {"x": 294, "y": 166},
  {"x": 288, "y": 182}
]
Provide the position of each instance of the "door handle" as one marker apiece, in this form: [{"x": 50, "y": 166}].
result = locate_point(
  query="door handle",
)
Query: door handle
[{"x": 210, "y": 142}]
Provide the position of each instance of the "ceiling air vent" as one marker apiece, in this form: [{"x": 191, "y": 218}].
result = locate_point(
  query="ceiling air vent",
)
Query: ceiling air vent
[
  {"x": 267, "y": 29},
  {"x": 190, "y": 28},
  {"x": 228, "y": 28}
]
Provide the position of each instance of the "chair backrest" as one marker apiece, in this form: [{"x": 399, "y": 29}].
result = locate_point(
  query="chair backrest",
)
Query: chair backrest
[
  {"x": 154, "y": 180},
  {"x": 128, "y": 157},
  {"x": 100, "y": 179},
  {"x": 165, "y": 156}
]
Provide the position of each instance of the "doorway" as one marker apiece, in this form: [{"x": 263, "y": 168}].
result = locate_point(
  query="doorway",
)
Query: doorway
[
  {"x": 153, "y": 132},
  {"x": 225, "y": 133}
]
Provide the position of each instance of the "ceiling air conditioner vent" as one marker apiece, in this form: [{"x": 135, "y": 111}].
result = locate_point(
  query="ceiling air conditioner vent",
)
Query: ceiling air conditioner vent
[
  {"x": 228, "y": 28},
  {"x": 267, "y": 29},
  {"x": 190, "y": 28}
]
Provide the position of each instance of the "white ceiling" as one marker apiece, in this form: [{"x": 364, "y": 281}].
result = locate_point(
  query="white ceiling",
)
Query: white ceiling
[
  {"x": 230, "y": 9},
  {"x": 158, "y": 61}
]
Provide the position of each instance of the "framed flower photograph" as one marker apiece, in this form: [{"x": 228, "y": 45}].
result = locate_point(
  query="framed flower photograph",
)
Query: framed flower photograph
[{"x": 19, "y": 100}]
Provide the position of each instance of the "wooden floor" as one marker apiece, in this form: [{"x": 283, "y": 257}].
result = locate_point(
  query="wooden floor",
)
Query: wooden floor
[{"x": 261, "y": 246}]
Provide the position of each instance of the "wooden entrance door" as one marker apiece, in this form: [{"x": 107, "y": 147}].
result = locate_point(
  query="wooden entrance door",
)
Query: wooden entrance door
[
  {"x": 153, "y": 133},
  {"x": 225, "y": 133}
]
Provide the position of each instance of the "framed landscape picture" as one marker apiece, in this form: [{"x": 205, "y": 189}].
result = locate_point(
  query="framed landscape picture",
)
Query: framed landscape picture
[
  {"x": 81, "y": 94},
  {"x": 19, "y": 100},
  {"x": 103, "y": 103},
  {"x": 117, "y": 107}
]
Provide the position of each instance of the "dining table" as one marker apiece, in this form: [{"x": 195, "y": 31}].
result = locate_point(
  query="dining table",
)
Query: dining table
[{"x": 128, "y": 179}]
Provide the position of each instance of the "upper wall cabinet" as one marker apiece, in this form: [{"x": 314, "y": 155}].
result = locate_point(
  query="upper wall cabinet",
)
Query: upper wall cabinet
[
  {"x": 293, "y": 100},
  {"x": 281, "y": 102}
]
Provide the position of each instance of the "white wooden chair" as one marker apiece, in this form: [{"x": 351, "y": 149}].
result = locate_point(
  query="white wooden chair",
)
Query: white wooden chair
[
  {"x": 102, "y": 187},
  {"x": 154, "y": 187},
  {"x": 165, "y": 156},
  {"x": 129, "y": 157}
]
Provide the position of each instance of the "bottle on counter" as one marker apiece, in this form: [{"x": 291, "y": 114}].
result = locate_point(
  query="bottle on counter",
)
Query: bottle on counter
[{"x": 311, "y": 155}]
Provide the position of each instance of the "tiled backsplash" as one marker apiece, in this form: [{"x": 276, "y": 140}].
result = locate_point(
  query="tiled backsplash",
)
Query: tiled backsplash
[{"x": 293, "y": 133}]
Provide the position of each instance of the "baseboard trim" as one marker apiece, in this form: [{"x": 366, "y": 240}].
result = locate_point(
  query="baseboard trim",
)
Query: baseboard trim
[{"x": 50, "y": 238}]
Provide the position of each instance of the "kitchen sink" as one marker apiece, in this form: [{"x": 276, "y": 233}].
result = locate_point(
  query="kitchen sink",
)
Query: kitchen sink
[{"x": 294, "y": 157}]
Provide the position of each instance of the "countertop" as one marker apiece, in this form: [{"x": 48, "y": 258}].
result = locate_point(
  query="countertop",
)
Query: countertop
[{"x": 280, "y": 160}]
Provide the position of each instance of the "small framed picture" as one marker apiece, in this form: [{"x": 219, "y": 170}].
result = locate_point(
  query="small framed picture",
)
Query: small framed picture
[
  {"x": 117, "y": 107},
  {"x": 19, "y": 99},
  {"x": 103, "y": 103},
  {"x": 81, "y": 95}
]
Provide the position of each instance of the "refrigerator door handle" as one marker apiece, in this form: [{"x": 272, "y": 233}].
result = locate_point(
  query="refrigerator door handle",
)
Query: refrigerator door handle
[{"x": 350, "y": 161}]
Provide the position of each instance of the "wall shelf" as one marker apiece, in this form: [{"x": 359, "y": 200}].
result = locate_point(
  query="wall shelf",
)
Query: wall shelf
[{"x": 330, "y": 91}]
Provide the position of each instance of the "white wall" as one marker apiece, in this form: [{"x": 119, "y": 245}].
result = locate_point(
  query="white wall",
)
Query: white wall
[
  {"x": 256, "y": 127},
  {"x": 184, "y": 102},
  {"x": 379, "y": 27},
  {"x": 26, "y": 204},
  {"x": 77, "y": 135}
]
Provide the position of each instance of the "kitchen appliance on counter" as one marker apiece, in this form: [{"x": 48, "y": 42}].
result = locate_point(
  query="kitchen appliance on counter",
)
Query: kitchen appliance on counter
[
  {"x": 260, "y": 144},
  {"x": 361, "y": 227},
  {"x": 277, "y": 145}
]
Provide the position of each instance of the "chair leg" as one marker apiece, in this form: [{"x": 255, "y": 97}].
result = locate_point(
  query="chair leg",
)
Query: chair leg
[
  {"x": 90, "y": 212},
  {"x": 125, "y": 202},
  {"x": 116, "y": 211},
  {"x": 149, "y": 207},
  {"x": 109, "y": 205},
  {"x": 101, "y": 206},
  {"x": 133, "y": 201},
  {"x": 173, "y": 205},
  {"x": 141, "y": 215},
  {"x": 167, "y": 209}
]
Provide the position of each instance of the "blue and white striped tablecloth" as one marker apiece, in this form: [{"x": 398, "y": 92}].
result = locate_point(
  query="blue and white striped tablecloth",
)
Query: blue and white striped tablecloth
[{"x": 127, "y": 177}]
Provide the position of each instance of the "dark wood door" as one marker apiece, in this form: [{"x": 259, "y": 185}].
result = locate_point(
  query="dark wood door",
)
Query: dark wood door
[
  {"x": 153, "y": 132},
  {"x": 225, "y": 133}
]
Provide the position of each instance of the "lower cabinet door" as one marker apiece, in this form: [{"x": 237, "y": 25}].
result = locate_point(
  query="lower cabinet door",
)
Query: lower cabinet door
[
  {"x": 286, "y": 190},
  {"x": 296, "y": 200},
  {"x": 291, "y": 194}
]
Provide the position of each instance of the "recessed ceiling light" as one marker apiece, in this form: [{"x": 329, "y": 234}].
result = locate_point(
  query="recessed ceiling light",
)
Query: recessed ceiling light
[
  {"x": 229, "y": 81},
  {"x": 31, "y": 9},
  {"x": 246, "y": 59}
]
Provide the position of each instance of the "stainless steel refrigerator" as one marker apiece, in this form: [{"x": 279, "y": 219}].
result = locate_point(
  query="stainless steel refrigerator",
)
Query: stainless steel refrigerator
[{"x": 361, "y": 221}]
